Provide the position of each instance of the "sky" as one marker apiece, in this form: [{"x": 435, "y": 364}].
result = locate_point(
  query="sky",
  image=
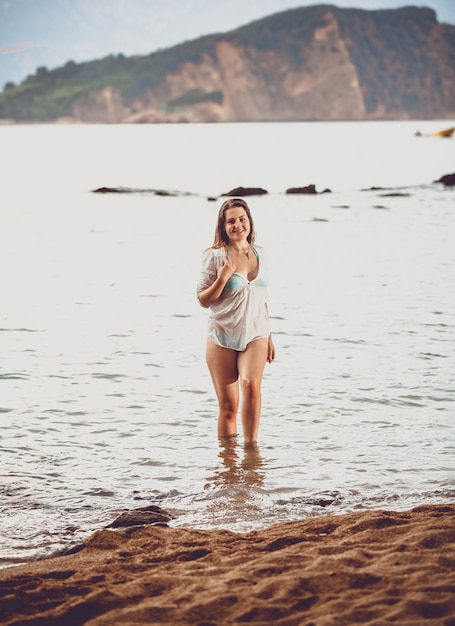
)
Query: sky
[{"x": 35, "y": 33}]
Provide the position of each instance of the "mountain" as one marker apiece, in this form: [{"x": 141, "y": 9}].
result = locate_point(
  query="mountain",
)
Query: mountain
[
  {"x": 311, "y": 63},
  {"x": 51, "y": 32}
]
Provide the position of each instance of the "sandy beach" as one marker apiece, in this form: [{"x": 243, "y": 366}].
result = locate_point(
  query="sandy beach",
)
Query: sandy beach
[{"x": 375, "y": 567}]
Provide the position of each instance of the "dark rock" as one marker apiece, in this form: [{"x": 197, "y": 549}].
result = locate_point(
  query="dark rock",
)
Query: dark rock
[
  {"x": 140, "y": 517},
  {"x": 308, "y": 189},
  {"x": 164, "y": 193},
  {"x": 448, "y": 180},
  {"x": 110, "y": 190},
  {"x": 156, "y": 192},
  {"x": 322, "y": 500},
  {"x": 245, "y": 191},
  {"x": 395, "y": 194}
]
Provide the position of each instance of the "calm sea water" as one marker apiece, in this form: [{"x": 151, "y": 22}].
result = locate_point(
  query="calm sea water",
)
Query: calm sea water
[{"x": 105, "y": 400}]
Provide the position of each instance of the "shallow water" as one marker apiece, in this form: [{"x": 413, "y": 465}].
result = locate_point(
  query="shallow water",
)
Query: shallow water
[{"x": 105, "y": 400}]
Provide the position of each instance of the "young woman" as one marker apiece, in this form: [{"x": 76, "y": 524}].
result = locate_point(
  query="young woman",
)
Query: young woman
[{"x": 233, "y": 284}]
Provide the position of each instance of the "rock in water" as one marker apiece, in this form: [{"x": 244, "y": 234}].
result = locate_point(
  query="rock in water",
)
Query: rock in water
[
  {"x": 448, "y": 180},
  {"x": 246, "y": 191},
  {"x": 140, "y": 517}
]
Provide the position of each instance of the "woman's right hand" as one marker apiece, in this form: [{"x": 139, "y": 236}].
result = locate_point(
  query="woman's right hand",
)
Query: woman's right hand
[
  {"x": 210, "y": 295},
  {"x": 227, "y": 268}
]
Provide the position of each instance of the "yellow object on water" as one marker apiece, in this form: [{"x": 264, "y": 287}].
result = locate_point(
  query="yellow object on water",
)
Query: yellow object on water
[{"x": 444, "y": 133}]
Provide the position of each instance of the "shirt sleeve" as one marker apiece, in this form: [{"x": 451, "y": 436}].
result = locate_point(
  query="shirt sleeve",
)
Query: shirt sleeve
[{"x": 208, "y": 271}]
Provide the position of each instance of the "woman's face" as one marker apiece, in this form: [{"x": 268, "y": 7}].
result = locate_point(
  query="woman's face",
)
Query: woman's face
[{"x": 236, "y": 224}]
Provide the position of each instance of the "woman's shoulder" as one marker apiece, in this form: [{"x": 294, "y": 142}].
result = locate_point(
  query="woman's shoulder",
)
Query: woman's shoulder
[
  {"x": 259, "y": 249},
  {"x": 212, "y": 255},
  {"x": 213, "y": 252}
]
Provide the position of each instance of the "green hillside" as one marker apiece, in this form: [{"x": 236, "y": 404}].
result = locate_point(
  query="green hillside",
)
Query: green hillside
[
  {"x": 47, "y": 95},
  {"x": 403, "y": 58}
]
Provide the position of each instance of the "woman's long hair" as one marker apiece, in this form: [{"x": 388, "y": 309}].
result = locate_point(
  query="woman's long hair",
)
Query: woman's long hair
[{"x": 221, "y": 239}]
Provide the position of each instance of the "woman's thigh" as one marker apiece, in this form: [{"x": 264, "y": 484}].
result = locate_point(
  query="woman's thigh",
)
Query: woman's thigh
[
  {"x": 251, "y": 362},
  {"x": 222, "y": 364}
]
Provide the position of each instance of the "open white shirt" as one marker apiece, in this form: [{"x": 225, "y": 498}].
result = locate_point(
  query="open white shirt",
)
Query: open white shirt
[{"x": 240, "y": 314}]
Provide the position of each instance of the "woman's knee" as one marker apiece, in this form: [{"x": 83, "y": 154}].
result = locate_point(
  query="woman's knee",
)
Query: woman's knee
[
  {"x": 229, "y": 408},
  {"x": 251, "y": 389}
]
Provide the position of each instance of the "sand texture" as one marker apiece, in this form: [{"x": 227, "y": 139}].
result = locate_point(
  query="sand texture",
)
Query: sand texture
[{"x": 375, "y": 567}]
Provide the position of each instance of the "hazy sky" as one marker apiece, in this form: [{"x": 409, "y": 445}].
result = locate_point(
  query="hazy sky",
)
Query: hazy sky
[{"x": 34, "y": 33}]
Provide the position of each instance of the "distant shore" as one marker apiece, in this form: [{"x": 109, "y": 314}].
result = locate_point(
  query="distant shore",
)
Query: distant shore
[{"x": 374, "y": 567}]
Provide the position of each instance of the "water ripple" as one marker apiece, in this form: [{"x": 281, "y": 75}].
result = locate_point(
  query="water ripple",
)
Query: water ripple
[{"x": 106, "y": 399}]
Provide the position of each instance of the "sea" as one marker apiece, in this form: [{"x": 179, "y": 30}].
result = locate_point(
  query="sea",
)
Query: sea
[{"x": 106, "y": 404}]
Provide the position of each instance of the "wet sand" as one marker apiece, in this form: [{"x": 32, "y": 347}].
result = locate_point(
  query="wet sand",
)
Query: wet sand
[{"x": 374, "y": 567}]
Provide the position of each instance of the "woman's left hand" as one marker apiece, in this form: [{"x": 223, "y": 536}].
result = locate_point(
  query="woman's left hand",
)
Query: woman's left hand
[{"x": 270, "y": 350}]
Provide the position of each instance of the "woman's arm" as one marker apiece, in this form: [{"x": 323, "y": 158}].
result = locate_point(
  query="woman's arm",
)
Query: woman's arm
[
  {"x": 270, "y": 350},
  {"x": 271, "y": 346},
  {"x": 210, "y": 295}
]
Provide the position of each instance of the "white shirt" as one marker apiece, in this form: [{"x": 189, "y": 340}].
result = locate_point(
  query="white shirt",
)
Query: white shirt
[{"x": 240, "y": 314}]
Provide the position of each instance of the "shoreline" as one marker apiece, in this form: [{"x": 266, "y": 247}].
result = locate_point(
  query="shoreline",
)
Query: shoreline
[{"x": 370, "y": 567}]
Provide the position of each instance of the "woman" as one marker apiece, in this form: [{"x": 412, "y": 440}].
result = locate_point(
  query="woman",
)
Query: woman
[{"x": 233, "y": 284}]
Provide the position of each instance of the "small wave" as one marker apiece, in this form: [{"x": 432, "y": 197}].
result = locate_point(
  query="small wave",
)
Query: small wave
[
  {"x": 103, "y": 375},
  {"x": 100, "y": 493},
  {"x": 345, "y": 340},
  {"x": 365, "y": 400},
  {"x": 20, "y": 330},
  {"x": 14, "y": 376},
  {"x": 319, "y": 499},
  {"x": 148, "y": 463},
  {"x": 293, "y": 333},
  {"x": 410, "y": 401},
  {"x": 441, "y": 399}
]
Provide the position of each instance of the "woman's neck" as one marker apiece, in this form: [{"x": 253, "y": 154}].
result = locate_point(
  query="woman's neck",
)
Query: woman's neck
[
  {"x": 241, "y": 249},
  {"x": 242, "y": 246}
]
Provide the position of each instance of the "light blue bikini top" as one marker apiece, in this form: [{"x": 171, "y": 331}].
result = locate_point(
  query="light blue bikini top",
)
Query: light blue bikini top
[{"x": 238, "y": 281}]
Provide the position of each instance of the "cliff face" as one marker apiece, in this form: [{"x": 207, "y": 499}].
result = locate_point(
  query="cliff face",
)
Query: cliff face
[
  {"x": 260, "y": 85},
  {"x": 405, "y": 62},
  {"x": 314, "y": 63}
]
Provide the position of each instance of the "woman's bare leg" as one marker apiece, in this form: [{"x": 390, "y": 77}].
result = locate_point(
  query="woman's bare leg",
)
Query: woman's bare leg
[
  {"x": 251, "y": 365},
  {"x": 222, "y": 364}
]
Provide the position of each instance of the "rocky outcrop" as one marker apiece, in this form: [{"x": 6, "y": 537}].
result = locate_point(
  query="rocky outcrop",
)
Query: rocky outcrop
[
  {"x": 245, "y": 191},
  {"x": 448, "y": 180},
  {"x": 306, "y": 190},
  {"x": 254, "y": 86},
  {"x": 107, "y": 104},
  {"x": 147, "y": 515}
]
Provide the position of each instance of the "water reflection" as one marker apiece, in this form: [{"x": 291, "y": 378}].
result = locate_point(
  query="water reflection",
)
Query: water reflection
[{"x": 241, "y": 464}]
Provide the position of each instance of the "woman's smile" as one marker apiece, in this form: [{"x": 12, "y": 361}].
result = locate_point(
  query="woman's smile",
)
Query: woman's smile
[{"x": 237, "y": 222}]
